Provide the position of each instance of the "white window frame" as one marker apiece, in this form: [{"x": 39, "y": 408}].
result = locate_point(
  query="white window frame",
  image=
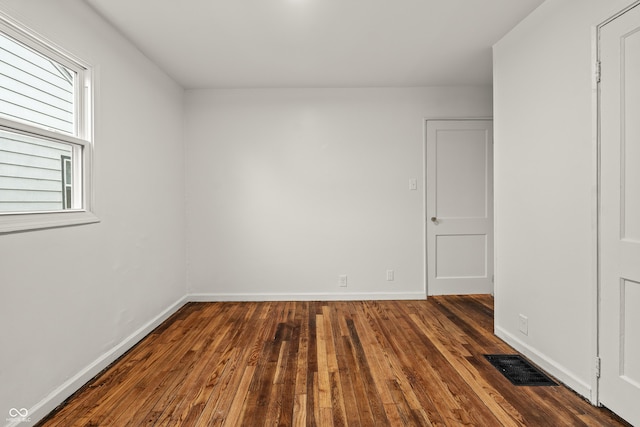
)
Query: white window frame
[
  {"x": 66, "y": 164},
  {"x": 82, "y": 141}
]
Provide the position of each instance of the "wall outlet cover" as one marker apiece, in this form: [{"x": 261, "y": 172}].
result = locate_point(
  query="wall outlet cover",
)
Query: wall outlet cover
[
  {"x": 523, "y": 324},
  {"x": 342, "y": 280}
]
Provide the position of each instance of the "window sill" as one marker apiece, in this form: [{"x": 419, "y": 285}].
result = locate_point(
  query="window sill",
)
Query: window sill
[{"x": 11, "y": 223}]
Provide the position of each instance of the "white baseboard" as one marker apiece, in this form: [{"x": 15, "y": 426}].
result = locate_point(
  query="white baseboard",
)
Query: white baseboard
[
  {"x": 563, "y": 375},
  {"x": 215, "y": 297},
  {"x": 60, "y": 394}
]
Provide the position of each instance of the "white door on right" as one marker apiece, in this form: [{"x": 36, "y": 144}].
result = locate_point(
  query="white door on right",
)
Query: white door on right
[
  {"x": 459, "y": 207},
  {"x": 619, "y": 316}
]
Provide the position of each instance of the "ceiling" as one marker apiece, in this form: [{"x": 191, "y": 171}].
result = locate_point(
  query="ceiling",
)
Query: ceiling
[{"x": 318, "y": 43}]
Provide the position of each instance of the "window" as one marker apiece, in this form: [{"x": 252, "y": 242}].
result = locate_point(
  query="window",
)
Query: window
[
  {"x": 67, "y": 182},
  {"x": 45, "y": 134}
]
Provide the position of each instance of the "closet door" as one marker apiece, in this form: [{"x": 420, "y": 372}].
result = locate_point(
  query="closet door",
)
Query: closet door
[{"x": 619, "y": 315}]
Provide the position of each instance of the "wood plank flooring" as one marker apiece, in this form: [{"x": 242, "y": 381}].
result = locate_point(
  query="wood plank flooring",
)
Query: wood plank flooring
[{"x": 365, "y": 363}]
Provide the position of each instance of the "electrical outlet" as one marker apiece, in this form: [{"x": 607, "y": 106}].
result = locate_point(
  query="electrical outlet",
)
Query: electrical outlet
[
  {"x": 524, "y": 324},
  {"x": 390, "y": 275},
  {"x": 342, "y": 280}
]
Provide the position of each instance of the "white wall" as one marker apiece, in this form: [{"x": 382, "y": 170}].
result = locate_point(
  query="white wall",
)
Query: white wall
[
  {"x": 287, "y": 189},
  {"x": 71, "y": 296},
  {"x": 545, "y": 186}
]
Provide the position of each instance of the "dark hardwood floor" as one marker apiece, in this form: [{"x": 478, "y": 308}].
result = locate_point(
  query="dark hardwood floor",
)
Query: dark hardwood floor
[{"x": 371, "y": 363}]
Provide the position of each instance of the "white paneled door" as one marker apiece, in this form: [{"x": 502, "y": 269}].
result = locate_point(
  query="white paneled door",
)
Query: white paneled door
[
  {"x": 619, "y": 316},
  {"x": 459, "y": 207}
]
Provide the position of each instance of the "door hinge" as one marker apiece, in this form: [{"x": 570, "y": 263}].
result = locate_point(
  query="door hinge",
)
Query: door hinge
[
  {"x": 598, "y": 71},
  {"x": 597, "y": 366}
]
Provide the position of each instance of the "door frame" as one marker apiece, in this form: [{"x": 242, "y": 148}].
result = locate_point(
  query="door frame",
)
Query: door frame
[
  {"x": 596, "y": 209},
  {"x": 424, "y": 195}
]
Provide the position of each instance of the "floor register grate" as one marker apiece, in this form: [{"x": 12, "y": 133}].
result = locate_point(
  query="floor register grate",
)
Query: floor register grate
[{"x": 519, "y": 371}]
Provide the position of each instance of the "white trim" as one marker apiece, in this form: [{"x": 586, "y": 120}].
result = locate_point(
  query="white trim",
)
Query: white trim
[
  {"x": 558, "y": 371},
  {"x": 595, "y": 208},
  {"x": 23, "y": 33},
  {"x": 11, "y": 223},
  {"x": 41, "y": 409},
  {"x": 27, "y": 129},
  {"x": 374, "y": 296},
  {"x": 425, "y": 270},
  {"x": 619, "y": 13},
  {"x": 82, "y": 142}
]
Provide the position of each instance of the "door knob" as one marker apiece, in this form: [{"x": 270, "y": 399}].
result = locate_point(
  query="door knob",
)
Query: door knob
[{"x": 434, "y": 219}]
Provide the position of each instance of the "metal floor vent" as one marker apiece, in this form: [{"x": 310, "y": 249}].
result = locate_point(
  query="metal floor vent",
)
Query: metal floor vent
[{"x": 519, "y": 371}]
